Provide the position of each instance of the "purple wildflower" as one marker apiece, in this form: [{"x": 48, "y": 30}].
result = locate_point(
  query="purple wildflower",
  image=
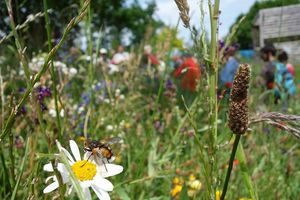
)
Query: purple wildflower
[{"x": 42, "y": 93}]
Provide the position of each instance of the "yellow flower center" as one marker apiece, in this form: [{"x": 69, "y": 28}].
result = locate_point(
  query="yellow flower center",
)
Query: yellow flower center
[{"x": 84, "y": 170}]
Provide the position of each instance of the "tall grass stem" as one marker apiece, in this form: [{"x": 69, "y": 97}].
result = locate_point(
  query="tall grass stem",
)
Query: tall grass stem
[{"x": 230, "y": 164}]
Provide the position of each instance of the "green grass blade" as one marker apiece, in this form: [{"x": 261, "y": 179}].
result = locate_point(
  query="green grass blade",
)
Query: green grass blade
[
  {"x": 244, "y": 169},
  {"x": 21, "y": 169}
]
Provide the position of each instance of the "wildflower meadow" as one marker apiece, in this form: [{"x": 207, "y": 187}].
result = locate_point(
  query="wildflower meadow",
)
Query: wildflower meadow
[{"x": 106, "y": 100}]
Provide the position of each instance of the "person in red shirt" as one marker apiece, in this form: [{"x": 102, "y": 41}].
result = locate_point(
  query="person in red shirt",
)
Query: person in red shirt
[
  {"x": 148, "y": 57},
  {"x": 190, "y": 73}
]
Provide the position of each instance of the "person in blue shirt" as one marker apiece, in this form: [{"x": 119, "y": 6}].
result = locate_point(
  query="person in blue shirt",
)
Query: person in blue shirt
[
  {"x": 283, "y": 79},
  {"x": 228, "y": 72}
]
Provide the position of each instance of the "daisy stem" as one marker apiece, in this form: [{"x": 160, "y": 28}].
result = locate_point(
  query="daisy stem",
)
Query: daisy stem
[
  {"x": 72, "y": 176},
  {"x": 230, "y": 164},
  {"x": 61, "y": 187}
]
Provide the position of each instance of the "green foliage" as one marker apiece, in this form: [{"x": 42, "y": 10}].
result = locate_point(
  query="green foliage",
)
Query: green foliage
[
  {"x": 166, "y": 34},
  {"x": 244, "y": 33},
  {"x": 117, "y": 17}
]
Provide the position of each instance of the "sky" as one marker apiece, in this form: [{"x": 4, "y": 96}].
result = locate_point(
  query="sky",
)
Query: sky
[{"x": 230, "y": 9}]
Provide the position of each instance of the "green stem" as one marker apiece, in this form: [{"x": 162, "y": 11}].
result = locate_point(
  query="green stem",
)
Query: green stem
[
  {"x": 166, "y": 72},
  {"x": 53, "y": 72},
  {"x": 201, "y": 149},
  {"x": 11, "y": 155},
  {"x": 230, "y": 164},
  {"x": 21, "y": 169},
  {"x": 6, "y": 182},
  {"x": 212, "y": 77},
  {"x": 18, "y": 43}
]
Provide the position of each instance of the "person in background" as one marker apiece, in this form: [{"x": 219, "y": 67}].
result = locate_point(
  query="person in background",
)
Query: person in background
[
  {"x": 177, "y": 61},
  {"x": 267, "y": 54},
  {"x": 190, "y": 73},
  {"x": 103, "y": 57},
  {"x": 231, "y": 65},
  {"x": 73, "y": 55},
  {"x": 283, "y": 58},
  {"x": 149, "y": 58},
  {"x": 120, "y": 57},
  {"x": 283, "y": 78},
  {"x": 118, "y": 60}
]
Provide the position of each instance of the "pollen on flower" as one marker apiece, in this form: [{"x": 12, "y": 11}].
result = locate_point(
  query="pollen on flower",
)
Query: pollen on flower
[{"x": 84, "y": 170}]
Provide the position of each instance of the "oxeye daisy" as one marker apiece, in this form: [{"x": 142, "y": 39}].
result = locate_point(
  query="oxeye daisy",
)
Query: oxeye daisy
[{"x": 88, "y": 173}]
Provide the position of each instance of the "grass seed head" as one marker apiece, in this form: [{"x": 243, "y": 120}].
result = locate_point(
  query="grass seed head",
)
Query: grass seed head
[
  {"x": 238, "y": 107},
  {"x": 184, "y": 10}
]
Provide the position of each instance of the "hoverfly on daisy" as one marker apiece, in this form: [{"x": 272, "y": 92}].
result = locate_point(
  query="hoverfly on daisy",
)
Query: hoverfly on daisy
[
  {"x": 87, "y": 172},
  {"x": 100, "y": 151}
]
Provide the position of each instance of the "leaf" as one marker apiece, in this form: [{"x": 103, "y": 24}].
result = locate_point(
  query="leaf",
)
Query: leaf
[
  {"x": 122, "y": 193},
  {"x": 245, "y": 173}
]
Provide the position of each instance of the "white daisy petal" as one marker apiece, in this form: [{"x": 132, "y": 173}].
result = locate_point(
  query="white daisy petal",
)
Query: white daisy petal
[
  {"x": 87, "y": 155},
  {"x": 75, "y": 150},
  {"x": 101, "y": 194},
  {"x": 70, "y": 190},
  {"x": 71, "y": 159},
  {"x": 50, "y": 177},
  {"x": 61, "y": 168},
  {"x": 112, "y": 159},
  {"x": 85, "y": 184},
  {"x": 102, "y": 183},
  {"x": 48, "y": 167},
  {"x": 58, "y": 145},
  {"x": 51, "y": 187},
  {"x": 87, "y": 193},
  {"x": 65, "y": 177},
  {"x": 108, "y": 170}
]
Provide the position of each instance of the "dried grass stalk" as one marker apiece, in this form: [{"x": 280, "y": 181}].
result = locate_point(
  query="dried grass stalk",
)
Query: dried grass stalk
[
  {"x": 184, "y": 10},
  {"x": 289, "y": 123}
]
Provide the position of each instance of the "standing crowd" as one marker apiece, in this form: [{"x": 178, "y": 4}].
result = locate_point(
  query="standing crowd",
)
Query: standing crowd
[{"x": 276, "y": 74}]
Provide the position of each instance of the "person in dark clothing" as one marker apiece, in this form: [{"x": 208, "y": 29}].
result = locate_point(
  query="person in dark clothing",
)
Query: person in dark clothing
[{"x": 267, "y": 54}]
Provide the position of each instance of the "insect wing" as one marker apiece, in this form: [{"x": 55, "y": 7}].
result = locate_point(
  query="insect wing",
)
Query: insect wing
[
  {"x": 98, "y": 157},
  {"x": 114, "y": 140}
]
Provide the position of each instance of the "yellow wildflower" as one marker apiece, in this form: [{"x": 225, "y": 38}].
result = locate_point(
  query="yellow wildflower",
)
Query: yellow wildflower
[
  {"x": 176, "y": 190},
  {"x": 218, "y": 195},
  {"x": 196, "y": 185},
  {"x": 192, "y": 177}
]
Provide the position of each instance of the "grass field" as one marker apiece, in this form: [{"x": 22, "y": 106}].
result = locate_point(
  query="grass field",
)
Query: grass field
[{"x": 172, "y": 146}]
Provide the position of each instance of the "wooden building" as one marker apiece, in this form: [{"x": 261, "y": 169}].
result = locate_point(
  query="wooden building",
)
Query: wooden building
[{"x": 280, "y": 26}]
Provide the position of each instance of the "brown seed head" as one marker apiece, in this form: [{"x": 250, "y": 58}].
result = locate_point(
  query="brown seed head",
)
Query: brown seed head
[{"x": 238, "y": 106}]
